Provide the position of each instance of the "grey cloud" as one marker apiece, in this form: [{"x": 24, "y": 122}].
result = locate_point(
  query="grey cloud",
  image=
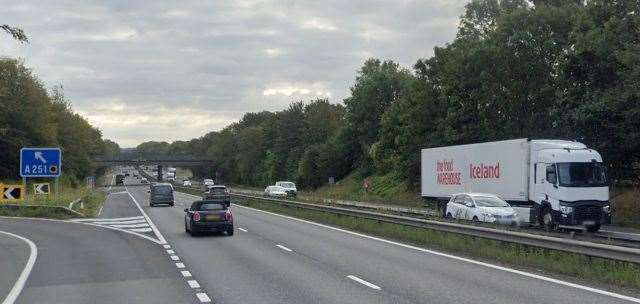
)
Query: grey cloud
[{"x": 213, "y": 60}]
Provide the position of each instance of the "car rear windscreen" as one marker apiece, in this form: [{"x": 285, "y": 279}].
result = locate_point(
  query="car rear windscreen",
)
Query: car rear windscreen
[
  {"x": 217, "y": 190},
  {"x": 162, "y": 190},
  {"x": 212, "y": 207}
]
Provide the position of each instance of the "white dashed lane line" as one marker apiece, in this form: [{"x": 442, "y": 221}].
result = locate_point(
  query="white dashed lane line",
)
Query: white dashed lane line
[
  {"x": 284, "y": 248},
  {"x": 166, "y": 246},
  {"x": 180, "y": 265},
  {"x": 363, "y": 282},
  {"x": 242, "y": 229},
  {"x": 185, "y": 273},
  {"x": 175, "y": 258},
  {"x": 203, "y": 297},
  {"x": 170, "y": 251},
  {"x": 193, "y": 284}
]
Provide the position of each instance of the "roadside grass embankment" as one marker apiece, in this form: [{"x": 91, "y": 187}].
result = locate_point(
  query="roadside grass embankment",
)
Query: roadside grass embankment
[
  {"x": 56, "y": 206},
  {"x": 625, "y": 202},
  {"x": 602, "y": 271}
]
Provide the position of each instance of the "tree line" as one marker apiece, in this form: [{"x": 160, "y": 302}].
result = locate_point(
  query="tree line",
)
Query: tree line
[
  {"x": 566, "y": 69},
  {"x": 32, "y": 116}
]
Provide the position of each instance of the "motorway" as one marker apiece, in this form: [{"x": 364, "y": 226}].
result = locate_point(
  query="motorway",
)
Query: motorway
[{"x": 134, "y": 253}]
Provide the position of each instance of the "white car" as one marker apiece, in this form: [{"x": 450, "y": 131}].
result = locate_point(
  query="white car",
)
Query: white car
[
  {"x": 289, "y": 187},
  {"x": 275, "y": 191},
  {"x": 186, "y": 183},
  {"x": 481, "y": 207},
  {"x": 144, "y": 180},
  {"x": 207, "y": 182}
]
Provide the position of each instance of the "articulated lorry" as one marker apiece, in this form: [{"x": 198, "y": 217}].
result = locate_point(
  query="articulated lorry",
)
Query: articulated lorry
[{"x": 556, "y": 183}]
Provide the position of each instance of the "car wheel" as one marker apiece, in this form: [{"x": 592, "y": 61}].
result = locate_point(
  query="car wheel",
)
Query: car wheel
[
  {"x": 476, "y": 220},
  {"x": 171, "y": 204},
  {"x": 593, "y": 228},
  {"x": 186, "y": 229},
  {"x": 151, "y": 205},
  {"x": 230, "y": 232},
  {"x": 448, "y": 216},
  {"x": 547, "y": 220}
]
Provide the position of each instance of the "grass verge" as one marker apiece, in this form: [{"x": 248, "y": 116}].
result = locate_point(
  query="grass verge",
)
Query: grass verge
[
  {"x": 45, "y": 206},
  {"x": 603, "y": 271}
]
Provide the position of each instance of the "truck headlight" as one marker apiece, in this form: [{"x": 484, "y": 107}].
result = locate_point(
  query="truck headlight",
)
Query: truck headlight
[
  {"x": 606, "y": 209},
  {"x": 566, "y": 209}
]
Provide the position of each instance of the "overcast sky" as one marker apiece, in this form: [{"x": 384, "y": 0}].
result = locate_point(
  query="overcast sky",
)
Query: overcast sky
[{"x": 172, "y": 70}]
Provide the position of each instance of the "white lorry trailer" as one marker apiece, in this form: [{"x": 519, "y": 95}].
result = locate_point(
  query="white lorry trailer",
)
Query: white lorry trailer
[{"x": 562, "y": 183}]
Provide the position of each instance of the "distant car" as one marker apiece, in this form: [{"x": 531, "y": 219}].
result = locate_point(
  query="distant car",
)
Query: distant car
[
  {"x": 161, "y": 194},
  {"x": 217, "y": 193},
  {"x": 208, "y": 216},
  {"x": 481, "y": 207},
  {"x": 119, "y": 179},
  {"x": 275, "y": 191},
  {"x": 207, "y": 182},
  {"x": 186, "y": 183},
  {"x": 144, "y": 180},
  {"x": 289, "y": 187}
]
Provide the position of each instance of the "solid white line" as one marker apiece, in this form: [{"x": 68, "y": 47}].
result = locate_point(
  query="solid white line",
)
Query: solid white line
[
  {"x": 363, "y": 282},
  {"x": 141, "y": 229},
  {"x": 175, "y": 257},
  {"x": 193, "y": 284},
  {"x": 519, "y": 272},
  {"x": 100, "y": 211},
  {"x": 185, "y": 273},
  {"x": 130, "y": 225},
  {"x": 166, "y": 246},
  {"x": 242, "y": 229},
  {"x": 116, "y": 219},
  {"x": 170, "y": 251},
  {"x": 153, "y": 226},
  {"x": 139, "y": 221},
  {"x": 22, "y": 279},
  {"x": 284, "y": 248},
  {"x": 180, "y": 265},
  {"x": 203, "y": 297}
]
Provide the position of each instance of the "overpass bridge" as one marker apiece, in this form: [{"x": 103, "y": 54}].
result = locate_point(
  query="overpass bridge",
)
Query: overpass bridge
[{"x": 134, "y": 159}]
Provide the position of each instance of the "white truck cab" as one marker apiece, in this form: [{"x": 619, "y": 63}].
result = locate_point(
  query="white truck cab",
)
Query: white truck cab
[{"x": 568, "y": 184}]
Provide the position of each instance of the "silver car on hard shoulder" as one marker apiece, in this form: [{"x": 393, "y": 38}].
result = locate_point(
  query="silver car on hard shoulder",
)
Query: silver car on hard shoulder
[{"x": 481, "y": 207}]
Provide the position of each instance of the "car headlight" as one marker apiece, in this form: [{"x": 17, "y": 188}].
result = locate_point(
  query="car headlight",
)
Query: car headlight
[
  {"x": 606, "y": 209},
  {"x": 566, "y": 209}
]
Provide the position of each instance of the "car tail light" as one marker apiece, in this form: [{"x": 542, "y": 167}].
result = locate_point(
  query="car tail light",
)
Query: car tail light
[
  {"x": 196, "y": 216},
  {"x": 228, "y": 216}
]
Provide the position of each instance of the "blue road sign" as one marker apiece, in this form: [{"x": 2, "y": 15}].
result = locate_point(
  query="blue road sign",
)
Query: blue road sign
[{"x": 40, "y": 162}]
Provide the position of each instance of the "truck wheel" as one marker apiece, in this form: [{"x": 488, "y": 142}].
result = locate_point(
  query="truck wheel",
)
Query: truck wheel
[
  {"x": 230, "y": 232},
  {"x": 449, "y": 216},
  {"x": 593, "y": 228},
  {"x": 547, "y": 220}
]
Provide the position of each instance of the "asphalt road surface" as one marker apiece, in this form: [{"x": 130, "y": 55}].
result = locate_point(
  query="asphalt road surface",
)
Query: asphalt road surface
[
  {"x": 274, "y": 259},
  {"x": 133, "y": 253}
]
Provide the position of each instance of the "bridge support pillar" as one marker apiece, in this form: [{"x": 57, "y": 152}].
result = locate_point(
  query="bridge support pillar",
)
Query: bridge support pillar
[{"x": 159, "y": 173}]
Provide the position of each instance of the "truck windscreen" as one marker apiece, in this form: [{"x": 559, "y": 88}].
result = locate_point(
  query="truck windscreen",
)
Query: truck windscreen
[{"x": 581, "y": 175}]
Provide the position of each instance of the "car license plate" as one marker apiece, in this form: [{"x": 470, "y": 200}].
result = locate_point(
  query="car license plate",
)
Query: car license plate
[
  {"x": 213, "y": 218},
  {"x": 588, "y": 223}
]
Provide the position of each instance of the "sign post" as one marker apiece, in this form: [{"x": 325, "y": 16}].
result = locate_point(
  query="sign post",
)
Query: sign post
[{"x": 41, "y": 162}]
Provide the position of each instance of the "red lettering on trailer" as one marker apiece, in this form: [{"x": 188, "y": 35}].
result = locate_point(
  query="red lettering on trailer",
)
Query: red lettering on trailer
[
  {"x": 446, "y": 174},
  {"x": 483, "y": 171}
]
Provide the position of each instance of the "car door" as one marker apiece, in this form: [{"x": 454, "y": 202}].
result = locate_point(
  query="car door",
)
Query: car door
[
  {"x": 458, "y": 207},
  {"x": 469, "y": 208}
]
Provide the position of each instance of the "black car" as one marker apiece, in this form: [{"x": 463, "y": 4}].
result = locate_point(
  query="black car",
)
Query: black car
[
  {"x": 208, "y": 216},
  {"x": 217, "y": 193},
  {"x": 119, "y": 179},
  {"x": 161, "y": 193}
]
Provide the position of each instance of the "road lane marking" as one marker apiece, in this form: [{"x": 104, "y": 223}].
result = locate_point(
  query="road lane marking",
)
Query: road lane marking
[
  {"x": 116, "y": 219},
  {"x": 22, "y": 279},
  {"x": 186, "y": 273},
  {"x": 242, "y": 229},
  {"x": 153, "y": 226},
  {"x": 450, "y": 256},
  {"x": 180, "y": 265},
  {"x": 129, "y": 225},
  {"x": 363, "y": 282},
  {"x": 100, "y": 211},
  {"x": 166, "y": 246},
  {"x": 169, "y": 251},
  {"x": 141, "y": 229},
  {"x": 175, "y": 258},
  {"x": 284, "y": 248},
  {"x": 193, "y": 284},
  {"x": 140, "y": 221},
  {"x": 203, "y": 297}
]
